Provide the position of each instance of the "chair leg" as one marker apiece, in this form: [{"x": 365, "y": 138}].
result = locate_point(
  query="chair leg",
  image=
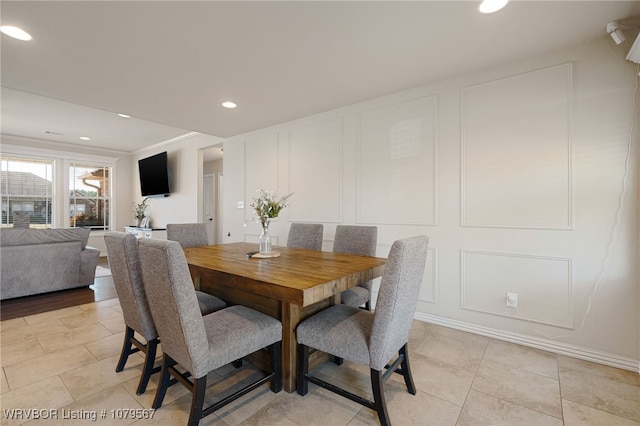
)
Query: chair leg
[
  {"x": 302, "y": 384},
  {"x": 377, "y": 385},
  {"x": 165, "y": 378},
  {"x": 126, "y": 349},
  {"x": 276, "y": 366},
  {"x": 406, "y": 370},
  {"x": 147, "y": 369},
  {"x": 199, "y": 388}
]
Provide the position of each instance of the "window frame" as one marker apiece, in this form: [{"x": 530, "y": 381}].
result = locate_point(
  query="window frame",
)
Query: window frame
[
  {"x": 68, "y": 164},
  {"x": 61, "y": 163},
  {"x": 40, "y": 158}
]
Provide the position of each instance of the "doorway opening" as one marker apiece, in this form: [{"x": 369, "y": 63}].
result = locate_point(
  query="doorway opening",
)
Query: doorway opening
[{"x": 212, "y": 187}]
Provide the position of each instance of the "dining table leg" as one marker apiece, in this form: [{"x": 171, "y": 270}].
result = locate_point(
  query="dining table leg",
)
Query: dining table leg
[
  {"x": 290, "y": 319},
  {"x": 291, "y": 315}
]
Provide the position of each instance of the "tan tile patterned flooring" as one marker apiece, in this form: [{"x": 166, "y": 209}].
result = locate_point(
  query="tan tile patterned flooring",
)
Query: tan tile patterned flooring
[{"x": 65, "y": 360}]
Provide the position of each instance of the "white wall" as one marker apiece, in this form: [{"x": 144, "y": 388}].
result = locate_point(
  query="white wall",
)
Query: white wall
[
  {"x": 515, "y": 173},
  {"x": 185, "y": 158}
]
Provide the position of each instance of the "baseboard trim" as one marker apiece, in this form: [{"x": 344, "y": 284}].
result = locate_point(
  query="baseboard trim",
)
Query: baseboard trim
[{"x": 586, "y": 354}]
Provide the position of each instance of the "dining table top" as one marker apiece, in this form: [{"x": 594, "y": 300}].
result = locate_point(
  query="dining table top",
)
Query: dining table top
[{"x": 298, "y": 276}]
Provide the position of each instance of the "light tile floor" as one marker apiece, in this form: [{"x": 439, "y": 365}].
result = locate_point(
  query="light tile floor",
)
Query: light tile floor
[{"x": 64, "y": 361}]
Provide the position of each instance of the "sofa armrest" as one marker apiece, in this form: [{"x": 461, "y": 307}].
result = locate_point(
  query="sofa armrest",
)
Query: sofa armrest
[{"x": 88, "y": 262}]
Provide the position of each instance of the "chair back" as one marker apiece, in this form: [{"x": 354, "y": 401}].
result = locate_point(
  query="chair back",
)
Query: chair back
[
  {"x": 124, "y": 261},
  {"x": 397, "y": 298},
  {"x": 188, "y": 234},
  {"x": 174, "y": 304},
  {"x": 305, "y": 236},
  {"x": 354, "y": 239}
]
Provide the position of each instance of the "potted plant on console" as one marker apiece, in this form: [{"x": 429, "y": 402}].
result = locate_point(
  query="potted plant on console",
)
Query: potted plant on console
[{"x": 140, "y": 213}]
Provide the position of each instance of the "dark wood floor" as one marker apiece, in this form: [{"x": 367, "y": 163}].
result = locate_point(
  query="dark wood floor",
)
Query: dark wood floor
[{"x": 102, "y": 289}]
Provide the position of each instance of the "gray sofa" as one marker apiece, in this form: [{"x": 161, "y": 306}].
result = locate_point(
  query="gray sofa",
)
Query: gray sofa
[{"x": 34, "y": 261}]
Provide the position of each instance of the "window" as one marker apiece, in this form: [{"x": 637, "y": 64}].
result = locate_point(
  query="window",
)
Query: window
[
  {"x": 26, "y": 192},
  {"x": 89, "y": 196},
  {"x": 56, "y": 189}
]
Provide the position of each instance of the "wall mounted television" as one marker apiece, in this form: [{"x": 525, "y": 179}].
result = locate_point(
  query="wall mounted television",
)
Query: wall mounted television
[{"x": 155, "y": 179}]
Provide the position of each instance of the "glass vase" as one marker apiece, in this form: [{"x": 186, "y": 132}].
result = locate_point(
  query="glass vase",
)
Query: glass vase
[{"x": 265, "y": 239}]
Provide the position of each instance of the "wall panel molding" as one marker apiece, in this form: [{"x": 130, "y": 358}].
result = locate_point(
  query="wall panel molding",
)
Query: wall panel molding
[
  {"x": 397, "y": 152},
  {"x": 430, "y": 284},
  {"x": 543, "y": 285},
  {"x": 261, "y": 171},
  {"x": 516, "y": 154},
  {"x": 315, "y": 172}
]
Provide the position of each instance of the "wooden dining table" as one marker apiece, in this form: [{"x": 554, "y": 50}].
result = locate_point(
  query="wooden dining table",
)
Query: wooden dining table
[{"x": 290, "y": 287}]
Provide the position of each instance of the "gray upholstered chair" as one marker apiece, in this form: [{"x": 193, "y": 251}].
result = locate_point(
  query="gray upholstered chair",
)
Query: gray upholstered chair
[
  {"x": 188, "y": 234},
  {"x": 370, "y": 338},
  {"x": 305, "y": 236},
  {"x": 360, "y": 240},
  {"x": 124, "y": 261},
  {"x": 200, "y": 344}
]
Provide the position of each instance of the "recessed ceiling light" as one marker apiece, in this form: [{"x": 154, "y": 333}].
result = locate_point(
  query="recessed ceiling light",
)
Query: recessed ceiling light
[
  {"x": 85, "y": 138},
  {"x": 15, "y": 32},
  {"x": 229, "y": 104},
  {"x": 490, "y": 6},
  {"x": 124, "y": 116}
]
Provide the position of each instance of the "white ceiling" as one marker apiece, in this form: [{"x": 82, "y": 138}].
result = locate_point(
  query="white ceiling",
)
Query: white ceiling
[{"x": 169, "y": 64}]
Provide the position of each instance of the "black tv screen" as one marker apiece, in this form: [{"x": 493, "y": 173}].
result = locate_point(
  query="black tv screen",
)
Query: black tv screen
[{"x": 154, "y": 175}]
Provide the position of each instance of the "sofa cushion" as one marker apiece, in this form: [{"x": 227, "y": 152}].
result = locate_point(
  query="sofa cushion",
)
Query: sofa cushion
[
  {"x": 27, "y": 236},
  {"x": 39, "y": 268}
]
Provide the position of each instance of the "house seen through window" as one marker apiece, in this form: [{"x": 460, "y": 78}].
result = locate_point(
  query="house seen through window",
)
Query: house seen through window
[
  {"x": 26, "y": 192},
  {"x": 32, "y": 197},
  {"x": 89, "y": 196}
]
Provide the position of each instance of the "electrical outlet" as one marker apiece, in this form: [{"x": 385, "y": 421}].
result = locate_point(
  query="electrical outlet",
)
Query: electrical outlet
[{"x": 512, "y": 300}]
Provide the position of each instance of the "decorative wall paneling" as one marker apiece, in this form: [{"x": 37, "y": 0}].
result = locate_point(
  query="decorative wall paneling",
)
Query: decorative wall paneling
[
  {"x": 516, "y": 174},
  {"x": 261, "y": 168},
  {"x": 261, "y": 172},
  {"x": 398, "y": 164},
  {"x": 543, "y": 285},
  {"x": 516, "y": 153},
  {"x": 429, "y": 289},
  {"x": 315, "y": 172}
]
